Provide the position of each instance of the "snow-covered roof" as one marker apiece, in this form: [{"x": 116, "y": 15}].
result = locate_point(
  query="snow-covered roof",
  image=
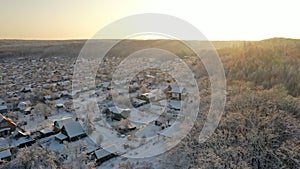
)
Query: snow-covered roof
[
  {"x": 3, "y": 107},
  {"x": 175, "y": 104},
  {"x": 46, "y": 131},
  {"x": 61, "y": 136},
  {"x": 22, "y": 140},
  {"x": 1, "y": 117},
  {"x": 73, "y": 129},
  {"x": 4, "y": 129},
  {"x": 5, "y": 154},
  {"x": 2, "y": 102},
  {"x": 6, "y": 118},
  {"x": 139, "y": 102},
  {"x": 176, "y": 89},
  {"x": 148, "y": 95},
  {"x": 62, "y": 122},
  {"x": 113, "y": 109},
  {"x": 101, "y": 153},
  {"x": 3, "y": 143},
  {"x": 117, "y": 110},
  {"x": 106, "y": 84}
]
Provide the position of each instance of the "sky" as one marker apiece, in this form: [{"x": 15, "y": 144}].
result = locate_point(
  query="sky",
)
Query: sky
[{"x": 216, "y": 19}]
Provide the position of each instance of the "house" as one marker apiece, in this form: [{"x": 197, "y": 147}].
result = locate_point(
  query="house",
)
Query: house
[
  {"x": 26, "y": 90},
  {"x": 139, "y": 102},
  {"x": 3, "y": 109},
  {"x": 28, "y": 110},
  {"x": 60, "y": 123},
  {"x": 175, "y": 92},
  {"x": 48, "y": 97},
  {"x": 175, "y": 104},
  {"x": 5, "y": 155},
  {"x": 118, "y": 114},
  {"x": 125, "y": 126},
  {"x": 2, "y": 102},
  {"x": 21, "y": 139},
  {"x": 103, "y": 155},
  {"x": 46, "y": 132},
  {"x": 65, "y": 93},
  {"x": 3, "y": 143},
  {"x": 73, "y": 131},
  {"x": 147, "y": 97},
  {"x": 6, "y": 125},
  {"x": 59, "y": 105},
  {"x": 106, "y": 85},
  {"x": 23, "y": 105}
]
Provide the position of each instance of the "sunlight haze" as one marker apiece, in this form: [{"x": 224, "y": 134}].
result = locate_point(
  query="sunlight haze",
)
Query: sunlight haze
[{"x": 216, "y": 19}]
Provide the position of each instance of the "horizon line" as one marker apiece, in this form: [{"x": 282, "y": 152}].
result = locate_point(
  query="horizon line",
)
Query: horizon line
[{"x": 83, "y": 39}]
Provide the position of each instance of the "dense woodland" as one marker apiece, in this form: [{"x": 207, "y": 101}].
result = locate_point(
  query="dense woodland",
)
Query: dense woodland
[{"x": 260, "y": 127}]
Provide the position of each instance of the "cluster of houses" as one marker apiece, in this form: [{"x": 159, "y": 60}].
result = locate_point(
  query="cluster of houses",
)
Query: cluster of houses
[
  {"x": 11, "y": 136},
  {"x": 47, "y": 82},
  {"x": 62, "y": 130},
  {"x": 26, "y": 82}
]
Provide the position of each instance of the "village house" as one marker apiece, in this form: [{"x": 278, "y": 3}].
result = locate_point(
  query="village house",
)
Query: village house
[
  {"x": 118, "y": 114},
  {"x": 71, "y": 131},
  {"x": 175, "y": 92},
  {"x": 26, "y": 90},
  {"x": 20, "y": 139},
  {"x": 46, "y": 132},
  {"x": 65, "y": 93},
  {"x": 3, "y": 143},
  {"x": 174, "y": 104},
  {"x": 6, "y": 125},
  {"x": 147, "y": 97},
  {"x": 58, "y": 125},
  {"x": 5, "y": 155},
  {"x": 28, "y": 110},
  {"x": 103, "y": 155},
  {"x": 3, "y": 109},
  {"x": 125, "y": 126},
  {"x": 106, "y": 85},
  {"x": 2, "y": 102},
  {"x": 23, "y": 105},
  {"x": 60, "y": 137},
  {"x": 139, "y": 102}
]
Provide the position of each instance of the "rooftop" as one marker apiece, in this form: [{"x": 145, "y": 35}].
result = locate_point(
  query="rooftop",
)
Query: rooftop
[{"x": 73, "y": 129}]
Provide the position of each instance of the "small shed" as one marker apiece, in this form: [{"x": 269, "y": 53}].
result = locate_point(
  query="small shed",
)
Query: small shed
[
  {"x": 48, "y": 97},
  {"x": 3, "y": 109},
  {"x": 5, "y": 155},
  {"x": 23, "y": 105},
  {"x": 175, "y": 104},
  {"x": 125, "y": 126},
  {"x": 28, "y": 110},
  {"x": 175, "y": 92},
  {"x": 46, "y": 132},
  {"x": 118, "y": 114},
  {"x": 60, "y": 137},
  {"x": 139, "y": 102},
  {"x": 147, "y": 97},
  {"x": 103, "y": 155},
  {"x": 26, "y": 90},
  {"x": 23, "y": 141}
]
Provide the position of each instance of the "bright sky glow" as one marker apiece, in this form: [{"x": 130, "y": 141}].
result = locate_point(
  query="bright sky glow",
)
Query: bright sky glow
[{"x": 216, "y": 19}]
